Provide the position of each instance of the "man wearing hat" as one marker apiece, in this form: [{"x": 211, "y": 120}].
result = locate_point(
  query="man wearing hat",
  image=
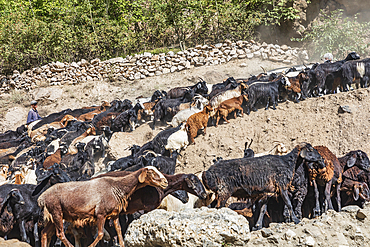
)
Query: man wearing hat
[{"x": 33, "y": 115}]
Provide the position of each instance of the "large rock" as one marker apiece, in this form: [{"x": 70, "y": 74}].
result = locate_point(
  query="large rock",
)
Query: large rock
[
  {"x": 195, "y": 227},
  {"x": 13, "y": 243},
  {"x": 15, "y": 117},
  {"x": 46, "y": 95}
]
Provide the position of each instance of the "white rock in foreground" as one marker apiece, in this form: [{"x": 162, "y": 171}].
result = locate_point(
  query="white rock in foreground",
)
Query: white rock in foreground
[{"x": 195, "y": 227}]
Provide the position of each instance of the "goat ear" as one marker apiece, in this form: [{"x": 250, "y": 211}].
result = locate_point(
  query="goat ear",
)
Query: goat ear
[
  {"x": 142, "y": 175},
  {"x": 303, "y": 153},
  {"x": 356, "y": 193},
  {"x": 351, "y": 161},
  {"x": 40, "y": 186},
  {"x": 189, "y": 183}
]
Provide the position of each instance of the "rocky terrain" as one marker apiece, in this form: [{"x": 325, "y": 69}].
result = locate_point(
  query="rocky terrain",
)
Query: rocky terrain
[
  {"x": 223, "y": 227},
  {"x": 145, "y": 65},
  {"x": 320, "y": 121}
]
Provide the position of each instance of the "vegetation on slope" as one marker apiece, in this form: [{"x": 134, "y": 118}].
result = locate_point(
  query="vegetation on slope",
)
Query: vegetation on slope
[{"x": 35, "y": 32}]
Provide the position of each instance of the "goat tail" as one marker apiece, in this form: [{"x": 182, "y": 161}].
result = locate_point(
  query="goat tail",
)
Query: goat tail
[
  {"x": 361, "y": 69},
  {"x": 47, "y": 216}
]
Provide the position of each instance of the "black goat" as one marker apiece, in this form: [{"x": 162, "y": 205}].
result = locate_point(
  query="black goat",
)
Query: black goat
[
  {"x": 353, "y": 70},
  {"x": 179, "y": 92},
  {"x": 125, "y": 162},
  {"x": 159, "y": 142},
  {"x": 13, "y": 135},
  {"x": 30, "y": 211},
  {"x": 248, "y": 153},
  {"x": 127, "y": 119},
  {"x": 116, "y": 106},
  {"x": 324, "y": 69},
  {"x": 265, "y": 91},
  {"x": 223, "y": 84},
  {"x": 13, "y": 198},
  {"x": 157, "y": 95},
  {"x": 165, "y": 107},
  {"x": 258, "y": 178}
]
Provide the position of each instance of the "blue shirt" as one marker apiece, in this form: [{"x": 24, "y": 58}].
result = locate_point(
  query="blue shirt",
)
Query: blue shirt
[{"x": 33, "y": 115}]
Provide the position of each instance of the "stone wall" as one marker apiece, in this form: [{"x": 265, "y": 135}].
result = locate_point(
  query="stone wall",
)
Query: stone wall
[{"x": 145, "y": 65}]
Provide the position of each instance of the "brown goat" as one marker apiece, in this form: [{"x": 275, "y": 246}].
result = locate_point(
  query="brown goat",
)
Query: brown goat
[
  {"x": 103, "y": 105},
  {"x": 228, "y": 106},
  {"x": 355, "y": 192},
  {"x": 93, "y": 201},
  {"x": 90, "y": 115},
  {"x": 106, "y": 121},
  {"x": 19, "y": 177},
  {"x": 332, "y": 175},
  {"x": 39, "y": 133},
  {"x": 52, "y": 159},
  {"x": 140, "y": 200},
  {"x": 148, "y": 111},
  {"x": 196, "y": 122}
]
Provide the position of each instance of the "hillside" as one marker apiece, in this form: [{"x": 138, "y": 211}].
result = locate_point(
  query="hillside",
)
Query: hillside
[
  {"x": 315, "y": 120},
  {"x": 318, "y": 121}
]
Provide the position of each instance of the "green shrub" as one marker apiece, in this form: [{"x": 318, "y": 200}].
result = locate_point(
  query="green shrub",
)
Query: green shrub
[
  {"x": 36, "y": 32},
  {"x": 336, "y": 34}
]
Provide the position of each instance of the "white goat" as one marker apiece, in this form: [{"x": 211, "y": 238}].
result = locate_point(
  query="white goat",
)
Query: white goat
[
  {"x": 183, "y": 115},
  {"x": 228, "y": 94},
  {"x": 171, "y": 203},
  {"x": 278, "y": 149},
  {"x": 53, "y": 146},
  {"x": 178, "y": 140}
]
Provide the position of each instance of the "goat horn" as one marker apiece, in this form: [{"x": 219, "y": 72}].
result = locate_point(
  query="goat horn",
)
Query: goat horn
[
  {"x": 197, "y": 172},
  {"x": 150, "y": 151},
  {"x": 264, "y": 70},
  {"x": 305, "y": 65},
  {"x": 250, "y": 143}
]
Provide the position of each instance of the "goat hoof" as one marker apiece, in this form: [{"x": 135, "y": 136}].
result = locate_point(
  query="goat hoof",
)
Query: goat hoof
[
  {"x": 316, "y": 213},
  {"x": 296, "y": 220},
  {"x": 256, "y": 228}
]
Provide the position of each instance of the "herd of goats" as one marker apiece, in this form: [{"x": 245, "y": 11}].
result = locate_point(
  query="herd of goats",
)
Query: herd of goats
[{"x": 54, "y": 191}]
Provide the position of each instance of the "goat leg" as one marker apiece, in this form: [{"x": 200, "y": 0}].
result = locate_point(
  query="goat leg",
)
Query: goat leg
[
  {"x": 327, "y": 203},
  {"x": 364, "y": 81},
  {"x": 36, "y": 235},
  {"x": 49, "y": 228},
  {"x": 117, "y": 226},
  {"x": 268, "y": 102},
  {"x": 339, "y": 201},
  {"x": 259, "y": 223},
  {"x": 100, "y": 224},
  {"x": 285, "y": 196},
  {"x": 273, "y": 102},
  {"x": 316, "y": 210},
  {"x": 22, "y": 229},
  {"x": 60, "y": 231}
]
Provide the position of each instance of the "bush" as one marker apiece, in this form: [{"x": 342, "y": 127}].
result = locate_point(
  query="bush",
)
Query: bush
[
  {"x": 336, "y": 34},
  {"x": 36, "y": 32}
]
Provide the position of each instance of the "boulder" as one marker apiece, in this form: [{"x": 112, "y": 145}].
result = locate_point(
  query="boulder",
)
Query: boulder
[
  {"x": 192, "y": 227},
  {"x": 46, "y": 95},
  {"x": 13, "y": 243},
  {"x": 15, "y": 117}
]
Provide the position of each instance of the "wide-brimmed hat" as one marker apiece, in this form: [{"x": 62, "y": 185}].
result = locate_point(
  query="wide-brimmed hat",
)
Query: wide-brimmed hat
[{"x": 33, "y": 102}]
